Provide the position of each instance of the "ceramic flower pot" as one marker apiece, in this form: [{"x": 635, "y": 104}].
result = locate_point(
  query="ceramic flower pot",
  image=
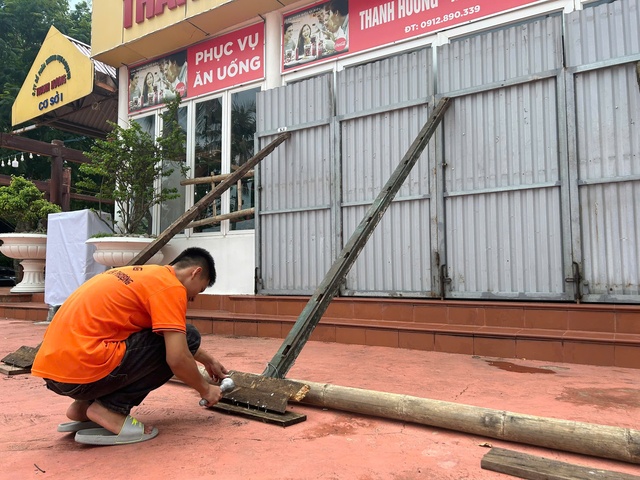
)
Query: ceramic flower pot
[
  {"x": 119, "y": 251},
  {"x": 31, "y": 248}
]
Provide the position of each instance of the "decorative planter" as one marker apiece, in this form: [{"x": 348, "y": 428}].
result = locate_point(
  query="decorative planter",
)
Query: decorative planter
[
  {"x": 31, "y": 248},
  {"x": 119, "y": 251}
]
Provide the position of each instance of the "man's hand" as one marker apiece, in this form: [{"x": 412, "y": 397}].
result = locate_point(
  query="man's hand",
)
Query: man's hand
[
  {"x": 214, "y": 368},
  {"x": 213, "y": 396}
]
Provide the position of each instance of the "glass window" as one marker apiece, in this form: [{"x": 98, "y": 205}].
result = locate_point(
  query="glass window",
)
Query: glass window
[
  {"x": 171, "y": 210},
  {"x": 148, "y": 124},
  {"x": 243, "y": 129},
  {"x": 208, "y": 157}
]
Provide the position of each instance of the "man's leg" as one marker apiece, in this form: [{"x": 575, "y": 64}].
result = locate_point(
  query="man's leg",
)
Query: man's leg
[{"x": 142, "y": 370}]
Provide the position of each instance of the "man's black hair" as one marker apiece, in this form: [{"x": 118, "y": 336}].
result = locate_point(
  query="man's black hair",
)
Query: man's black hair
[{"x": 199, "y": 257}]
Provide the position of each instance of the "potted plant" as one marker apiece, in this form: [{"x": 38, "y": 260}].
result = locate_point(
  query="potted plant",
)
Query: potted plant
[
  {"x": 127, "y": 168},
  {"x": 24, "y": 206}
]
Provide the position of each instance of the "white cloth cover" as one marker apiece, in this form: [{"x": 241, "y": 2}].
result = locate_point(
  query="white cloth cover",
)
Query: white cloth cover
[{"x": 69, "y": 260}]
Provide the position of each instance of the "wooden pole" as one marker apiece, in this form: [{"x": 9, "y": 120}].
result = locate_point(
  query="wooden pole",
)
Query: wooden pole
[
  {"x": 56, "y": 182},
  {"x": 225, "y": 216},
  {"x": 603, "y": 441}
]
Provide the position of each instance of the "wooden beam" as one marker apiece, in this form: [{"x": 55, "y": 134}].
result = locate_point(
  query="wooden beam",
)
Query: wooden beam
[
  {"x": 179, "y": 225},
  {"x": 224, "y": 216},
  {"x": 212, "y": 178},
  {"x": 530, "y": 467},
  {"x": 24, "y": 144},
  {"x": 603, "y": 441}
]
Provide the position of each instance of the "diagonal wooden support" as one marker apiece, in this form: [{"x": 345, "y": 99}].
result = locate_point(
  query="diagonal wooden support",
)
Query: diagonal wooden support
[
  {"x": 179, "y": 225},
  {"x": 319, "y": 302}
]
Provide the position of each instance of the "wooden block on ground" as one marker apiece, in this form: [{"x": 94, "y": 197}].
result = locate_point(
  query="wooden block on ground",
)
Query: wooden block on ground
[
  {"x": 23, "y": 357},
  {"x": 265, "y": 392},
  {"x": 11, "y": 370},
  {"x": 283, "y": 419},
  {"x": 530, "y": 467}
]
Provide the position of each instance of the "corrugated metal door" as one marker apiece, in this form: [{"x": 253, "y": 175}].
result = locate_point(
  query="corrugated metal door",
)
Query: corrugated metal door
[
  {"x": 294, "y": 227},
  {"x": 605, "y": 144},
  {"x": 381, "y": 107},
  {"x": 506, "y": 217}
]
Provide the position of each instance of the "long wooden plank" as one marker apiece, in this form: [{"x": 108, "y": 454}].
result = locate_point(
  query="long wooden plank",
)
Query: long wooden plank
[
  {"x": 319, "y": 302},
  {"x": 179, "y": 224},
  {"x": 530, "y": 467}
]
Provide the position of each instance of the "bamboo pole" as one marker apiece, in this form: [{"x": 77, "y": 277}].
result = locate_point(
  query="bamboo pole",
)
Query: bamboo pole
[
  {"x": 213, "y": 178},
  {"x": 225, "y": 216},
  {"x": 603, "y": 441}
]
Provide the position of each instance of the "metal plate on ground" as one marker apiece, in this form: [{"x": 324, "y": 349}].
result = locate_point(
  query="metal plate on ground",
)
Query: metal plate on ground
[{"x": 285, "y": 419}]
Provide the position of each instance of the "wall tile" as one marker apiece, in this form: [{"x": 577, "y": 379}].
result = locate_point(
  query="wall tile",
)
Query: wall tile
[
  {"x": 245, "y": 329},
  {"x": 628, "y": 323},
  {"x": 350, "y": 335},
  {"x": 270, "y": 329},
  {"x": 545, "y": 350},
  {"x": 245, "y": 305},
  {"x": 324, "y": 333},
  {"x": 429, "y": 313},
  {"x": 397, "y": 312},
  {"x": 205, "y": 327},
  {"x": 465, "y": 315},
  {"x": 494, "y": 347},
  {"x": 367, "y": 310},
  {"x": 222, "y": 327},
  {"x": 504, "y": 317},
  {"x": 589, "y": 353},
  {"x": 340, "y": 309},
  {"x": 591, "y": 321},
  {"x": 546, "y": 319},
  {"x": 627, "y": 357},
  {"x": 416, "y": 340},
  {"x": 381, "y": 338},
  {"x": 453, "y": 344}
]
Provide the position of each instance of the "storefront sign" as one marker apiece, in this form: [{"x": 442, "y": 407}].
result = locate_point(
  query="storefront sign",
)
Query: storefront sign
[
  {"x": 158, "y": 82},
  {"x": 59, "y": 75},
  {"x": 228, "y": 60},
  {"x": 337, "y": 27},
  {"x": 147, "y": 9},
  {"x": 219, "y": 63}
]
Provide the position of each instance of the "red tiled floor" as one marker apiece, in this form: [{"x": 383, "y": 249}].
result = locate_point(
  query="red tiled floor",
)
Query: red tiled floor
[{"x": 199, "y": 443}]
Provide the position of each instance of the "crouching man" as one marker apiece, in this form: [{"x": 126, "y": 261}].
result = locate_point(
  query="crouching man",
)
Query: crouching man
[{"x": 119, "y": 336}]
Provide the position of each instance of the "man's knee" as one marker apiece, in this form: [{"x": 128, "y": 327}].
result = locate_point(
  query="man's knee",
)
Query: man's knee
[{"x": 193, "y": 338}]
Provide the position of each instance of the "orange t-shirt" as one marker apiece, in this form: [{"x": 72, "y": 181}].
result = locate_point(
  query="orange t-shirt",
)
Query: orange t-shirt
[{"x": 85, "y": 340}]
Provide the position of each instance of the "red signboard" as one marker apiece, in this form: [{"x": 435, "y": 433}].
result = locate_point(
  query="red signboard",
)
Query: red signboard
[
  {"x": 225, "y": 61},
  {"x": 334, "y": 28}
]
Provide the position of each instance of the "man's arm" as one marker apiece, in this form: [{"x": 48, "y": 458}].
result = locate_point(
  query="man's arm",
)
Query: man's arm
[{"x": 183, "y": 365}]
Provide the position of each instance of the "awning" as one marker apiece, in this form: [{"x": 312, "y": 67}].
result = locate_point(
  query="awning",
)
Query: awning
[{"x": 67, "y": 90}]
